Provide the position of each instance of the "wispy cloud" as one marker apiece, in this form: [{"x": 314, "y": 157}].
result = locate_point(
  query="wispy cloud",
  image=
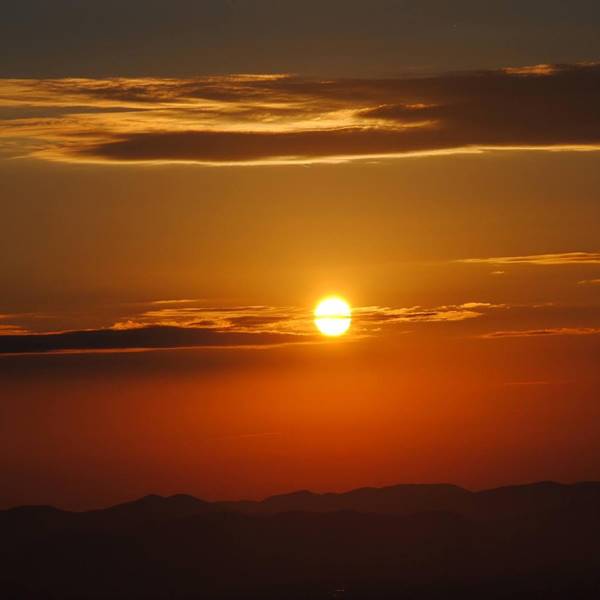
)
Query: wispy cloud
[
  {"x": 549, "y": 331},
  {"x": 181, "y": 301},
  {"x": 187, "y": 323},
  {"x": 174, "y": 324},
  {"x": 564, "y": 258},
  {"x": 376, "y": 316},
  {"x": 10, "y": 328},
  {"x": 257, "y": 119},
  {"x": 294, "y": 320},
  {"x": 589, "y": 282},
  {"x": 7, "y": 329}
]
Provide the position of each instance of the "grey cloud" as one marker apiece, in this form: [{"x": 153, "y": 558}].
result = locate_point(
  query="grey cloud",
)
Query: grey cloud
[
  {"x": 254, "y": 118},
  {"x": 136, "y": 338}
]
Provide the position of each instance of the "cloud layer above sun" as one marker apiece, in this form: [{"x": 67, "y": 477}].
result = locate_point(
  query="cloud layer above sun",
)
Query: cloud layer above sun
[{"x": 280, "y": 119}]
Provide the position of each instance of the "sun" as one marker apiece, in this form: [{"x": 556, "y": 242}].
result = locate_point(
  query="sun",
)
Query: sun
[{"x": 333, "y": 316}]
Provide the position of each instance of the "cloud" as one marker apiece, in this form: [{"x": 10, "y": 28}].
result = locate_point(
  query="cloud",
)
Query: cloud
[
  {"x": 565, "y": 258},
  {"x": 170, "y": 324},
  {"x": 294, "y": 320},
  {"x": 7, "y": 329},
  {"x": 258, "y": 119},
  {"x": 179, "y": 301},
  {"x": 549, "y": 331},
  {"x": 10, "y": 328},
  {"x": 375, "y": 316},
  {"x": 244, "y": 319},
  {"x": 214, "y": 147},
  {"x": 135, "y": 338},
  {"x": 589, "y": 282}
]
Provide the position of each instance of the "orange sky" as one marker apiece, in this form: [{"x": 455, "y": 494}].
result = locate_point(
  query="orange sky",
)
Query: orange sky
[
  {"x": 95, "y": 429},
  {"x": 167, "y": 232},
  {"x": 463, "y": 374},
  {"x": 452, "y": 371}
]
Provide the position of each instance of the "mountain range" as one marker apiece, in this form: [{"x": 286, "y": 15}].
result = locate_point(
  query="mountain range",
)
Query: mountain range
[{"x": 404, "y": 541}]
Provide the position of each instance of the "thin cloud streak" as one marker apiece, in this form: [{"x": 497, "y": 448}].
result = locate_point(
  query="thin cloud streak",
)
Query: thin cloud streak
[
  {"x": 283, "y": 119},
  {"x": 549, "y": 331},
  {"x": 253, "y": 319},
  {"x": 153, "y": 337},
  {"x": 176, "y": 326},
  {"x": 564, "y": 258}
]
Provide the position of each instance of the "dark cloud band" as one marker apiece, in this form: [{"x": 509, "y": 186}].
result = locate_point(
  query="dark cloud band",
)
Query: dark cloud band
[
  {"x": 136, "y": 338},
  {"x": 268, "y": 119},
  {"x": 179, "y": 324}
]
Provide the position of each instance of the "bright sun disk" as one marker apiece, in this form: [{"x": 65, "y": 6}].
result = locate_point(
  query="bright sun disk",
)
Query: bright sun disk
[{"x": 333, "y": 316}]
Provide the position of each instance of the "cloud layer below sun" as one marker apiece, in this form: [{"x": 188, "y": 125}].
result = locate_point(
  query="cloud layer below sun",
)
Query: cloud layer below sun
[
  {"x": 191, "y": 323},
  {"x": 185, "y": 323},
  {"x": 257, "y": 119}
]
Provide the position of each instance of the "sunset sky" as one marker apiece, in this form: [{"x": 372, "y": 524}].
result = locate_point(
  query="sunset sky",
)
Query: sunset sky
[{"x": 180, "y": 184}]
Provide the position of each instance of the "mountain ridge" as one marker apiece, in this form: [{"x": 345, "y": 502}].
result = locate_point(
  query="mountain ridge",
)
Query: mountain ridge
[
  {"x": 513, "y": 542},
  {"x": 400, "y": 499}
]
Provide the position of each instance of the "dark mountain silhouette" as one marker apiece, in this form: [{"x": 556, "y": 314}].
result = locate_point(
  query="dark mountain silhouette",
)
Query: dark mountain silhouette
[
  {"x": 153, "y": 507},
  {"x": 399, "y": 499},
  {"x": 407, "y": 499},
  {"x": 407, "y": 541}
]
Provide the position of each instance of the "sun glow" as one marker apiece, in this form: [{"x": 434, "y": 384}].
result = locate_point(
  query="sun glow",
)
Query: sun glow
[{"x": 333, "y": 316}]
